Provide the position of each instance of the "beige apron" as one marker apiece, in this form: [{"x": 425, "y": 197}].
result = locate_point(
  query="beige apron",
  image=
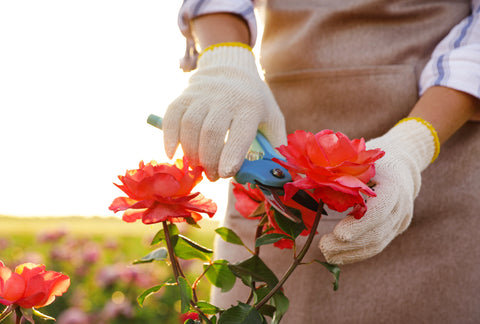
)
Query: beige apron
[{"x": 353, "y": 66}]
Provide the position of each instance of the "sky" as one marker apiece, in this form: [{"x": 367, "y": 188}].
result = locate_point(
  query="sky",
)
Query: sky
[{"x": 78, "y": 80}]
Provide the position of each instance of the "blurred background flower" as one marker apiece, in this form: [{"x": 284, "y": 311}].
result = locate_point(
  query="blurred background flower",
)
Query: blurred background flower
[{"x": 98, "y": 255}]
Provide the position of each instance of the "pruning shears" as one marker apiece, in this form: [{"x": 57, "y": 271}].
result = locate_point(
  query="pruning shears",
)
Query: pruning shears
[{"x": 261, "y": 171}]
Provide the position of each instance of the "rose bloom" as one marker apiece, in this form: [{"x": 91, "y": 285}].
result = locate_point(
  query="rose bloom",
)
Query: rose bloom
[
  {"x": 157, "y": 192},
  {"x": 248, "y": 200},
  {"x": 335, "y": 168},
  {"x": 31, "y": 285}
]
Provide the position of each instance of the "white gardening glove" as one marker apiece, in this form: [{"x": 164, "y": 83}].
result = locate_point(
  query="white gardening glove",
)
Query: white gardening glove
[
  {"x": 225, "y": 95},
  {"x": 409, "y": 148}
]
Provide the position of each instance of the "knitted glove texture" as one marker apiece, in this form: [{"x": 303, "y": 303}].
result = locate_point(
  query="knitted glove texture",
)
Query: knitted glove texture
[
  {"x": 409, "y": 148},
  {"x": 225, "y": 96}
]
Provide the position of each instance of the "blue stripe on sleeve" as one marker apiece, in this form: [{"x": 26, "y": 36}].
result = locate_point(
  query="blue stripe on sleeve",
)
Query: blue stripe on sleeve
[
  {"x": 442, "y": 61},
  {"x": 463, "y": 33},
  {"x": 440, "y": 69}
]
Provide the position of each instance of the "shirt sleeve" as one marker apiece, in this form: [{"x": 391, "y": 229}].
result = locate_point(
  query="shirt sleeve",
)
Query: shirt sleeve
[
  {"x": 193, "y": 8},
  {"x": 455, "y": 62}
]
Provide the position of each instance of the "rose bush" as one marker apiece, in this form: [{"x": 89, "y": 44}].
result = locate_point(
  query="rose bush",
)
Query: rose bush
[
  {"x": 334, "y": 167},
  {"x": 327, "y": 167}
]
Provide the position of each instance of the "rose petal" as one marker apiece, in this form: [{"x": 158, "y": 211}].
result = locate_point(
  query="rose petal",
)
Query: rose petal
[
  {"x": 12, "y": 286},
  {"x": 121, "y": 203}
]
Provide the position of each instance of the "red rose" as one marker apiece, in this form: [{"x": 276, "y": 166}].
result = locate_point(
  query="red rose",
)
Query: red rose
[
  {"x": 31, "y": 285},
  {"x": 157, "y": 192},
  {"x": 248, "y": 200},
  {"x": 334, "y": 167}
]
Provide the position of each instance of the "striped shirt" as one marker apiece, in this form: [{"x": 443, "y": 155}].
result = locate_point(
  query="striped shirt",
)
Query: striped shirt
[{"x": 455, "y": 62}]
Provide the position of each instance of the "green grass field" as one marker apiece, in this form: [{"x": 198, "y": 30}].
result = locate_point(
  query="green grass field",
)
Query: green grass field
[{"x": 97, "y": 253}]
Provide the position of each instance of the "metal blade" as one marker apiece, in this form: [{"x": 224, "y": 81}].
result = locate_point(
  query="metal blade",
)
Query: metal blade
[
  {"x": 271, "y": 195},
  {"x": 307, "y": 201}
]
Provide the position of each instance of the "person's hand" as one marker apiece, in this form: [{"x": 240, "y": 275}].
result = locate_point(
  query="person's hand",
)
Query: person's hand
[
  {"x": 409, "y": 148},
  {"x": 225, "y": 96}
]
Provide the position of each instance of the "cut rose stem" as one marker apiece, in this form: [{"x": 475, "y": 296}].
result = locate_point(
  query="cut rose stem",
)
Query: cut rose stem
[
  {"x": 177, "y": 270},
  {"x": 296, "y": 261},
  {"x": 258, "y": 233}
]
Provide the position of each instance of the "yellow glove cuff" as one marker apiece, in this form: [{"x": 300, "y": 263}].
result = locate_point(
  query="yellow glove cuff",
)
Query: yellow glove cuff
[
  {"x": 432, "y": 131},
  {"x": 228, "y": 44}
]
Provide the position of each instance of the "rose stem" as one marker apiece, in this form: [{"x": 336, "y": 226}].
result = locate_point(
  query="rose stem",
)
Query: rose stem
[
  {"x": 296, "y": 261},
  {"x": 171, "y": 253},
  {"x": 258, "y": 233},
  {"x": 177, "y": 270},
  {"x": 195, "y": 283},
  {"x": 19, "y": 315}
]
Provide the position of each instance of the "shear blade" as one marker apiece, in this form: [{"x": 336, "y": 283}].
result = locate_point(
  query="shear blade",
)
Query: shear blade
[
  {"x": 307, "y": 201},
  {"x": 271, "y": 195}
]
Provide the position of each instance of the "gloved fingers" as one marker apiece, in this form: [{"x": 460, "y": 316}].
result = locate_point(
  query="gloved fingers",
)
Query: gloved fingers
[
  {"x": 212, "y": 142},
  {"x": 274, "y": 127},
  {"x": 378, "y": 210},
  {"x": 191, "y": 127},
  {"x": 348, "y": 255},
  {"x": 369, "y": 244},
  {"x": 275, "y": 131},
  {"x": 242, "y": 134},
  {"x": 171, "y": 124}
]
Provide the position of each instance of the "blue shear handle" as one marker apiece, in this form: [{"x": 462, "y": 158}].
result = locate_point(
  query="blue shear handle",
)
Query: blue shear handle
[
  {"x": 263, "y": 170},
  {"x": 155, "y": 121}
]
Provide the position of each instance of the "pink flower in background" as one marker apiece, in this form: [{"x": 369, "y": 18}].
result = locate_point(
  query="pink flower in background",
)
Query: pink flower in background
[
  {"x": 158, "y": 192},
  {"x": 122, "y": 273},
  {"x": 335, "y": 168},
  {"x": 52, "y": 236},
  {"x": 4, "y": 243},
  {"x": 74, "y": 316}
]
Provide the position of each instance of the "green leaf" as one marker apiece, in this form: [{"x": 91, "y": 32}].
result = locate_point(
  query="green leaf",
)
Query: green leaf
[
  {"x": 189, "y": 321},
  {"x": 281, "y": 303},
  {"x": 259, "y": 211},
  {"x": 213, "y": 319},
  {"x": 208, "y": 308},
  {"x": 241, "y": 314},
  {"x": 334, "y": 269},
  {"x": 41, "y": 315},
  {"x": 291, "y": 228},
  {"x": 186, "y": 293},
  {"x": 267, "y": 310},
  {"x": 191, "y": 221},
  {"x": 195, "y": 245},
  {"x": 159, "y": 254},
  {"x": 27, "y": 314},
  {"x": 220, "y": 275},
  {"x": 270, "y": 239},
  {"x": 229, "y": 236},
  {"x": 254, "y": 269},
  {"x": 160, "y": 236},
  {"x": 185, "y": 248},
  {"x": 152, "y": 290}
]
